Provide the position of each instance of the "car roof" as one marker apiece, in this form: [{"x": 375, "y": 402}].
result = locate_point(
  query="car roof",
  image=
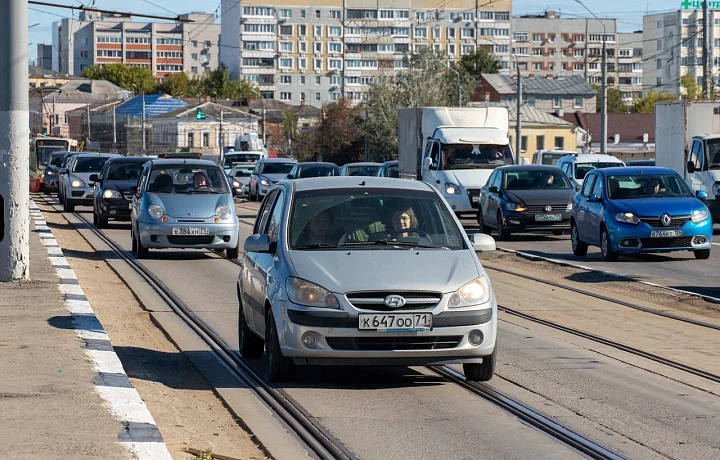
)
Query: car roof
[
  {"x": 130, "y": 159},
  {"x": 344, "y": 182},
  {"x": 635, "y": 170},
  {"x": 364, "y": 163},
  {"x": 278, "y": 160},
  {"x": 244, "y": 164},
  {"x": 318, "y": 163},
  {"x": 591, "y": 158},
  {"x": 96, "y": 154},
  {"x": 391, "y": 162},
  {"x": 529, "y": 167},
  {"x": 179, "y": 161}
]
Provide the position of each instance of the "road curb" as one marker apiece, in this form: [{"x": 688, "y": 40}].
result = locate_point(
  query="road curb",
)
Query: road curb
[{"x": 140, "y": 434}]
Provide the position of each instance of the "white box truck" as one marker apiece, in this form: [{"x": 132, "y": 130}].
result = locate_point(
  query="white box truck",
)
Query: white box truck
[
  {"x": 687, "y": 140},
  {"x": 454, "y": 149}
]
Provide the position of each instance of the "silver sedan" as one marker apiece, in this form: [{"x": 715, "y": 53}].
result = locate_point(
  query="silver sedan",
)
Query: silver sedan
[{"x": 339, "y": 272}]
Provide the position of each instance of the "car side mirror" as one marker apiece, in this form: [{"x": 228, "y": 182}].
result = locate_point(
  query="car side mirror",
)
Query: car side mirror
[
  {"x": 133, "y": 190},
  {"x": 95, "y": 178},
  {"x": 260, "y": 244},
  {"x": 493, "y": 189},
  {"x": 483, "y": 243},
  {"x": 690, "y": 167},
  {"x": 427, "y": 162},
  {"x": 593, "y": 198},
  {"x": 701, "y": 195},
  {"x": 290, "y": 176}
]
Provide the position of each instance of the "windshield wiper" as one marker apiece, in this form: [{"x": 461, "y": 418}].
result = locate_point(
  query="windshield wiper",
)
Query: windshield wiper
[
  {"x": 317, "y": 246},
  {"x": 387, "y": 242}
]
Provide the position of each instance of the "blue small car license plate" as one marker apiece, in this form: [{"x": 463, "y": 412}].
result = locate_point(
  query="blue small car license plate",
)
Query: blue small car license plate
[{"x": 547, "y": 217}]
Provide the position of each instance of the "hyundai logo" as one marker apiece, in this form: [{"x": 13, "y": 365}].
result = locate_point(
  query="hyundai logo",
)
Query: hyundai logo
[
  {"x": 394, "y": 301},
  {"x": 665, "y": 220},
  {"x": 548, "y": 208}
]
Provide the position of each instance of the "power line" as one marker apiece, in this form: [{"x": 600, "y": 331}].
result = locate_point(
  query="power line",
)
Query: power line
[{"x": 97, "y": 10}]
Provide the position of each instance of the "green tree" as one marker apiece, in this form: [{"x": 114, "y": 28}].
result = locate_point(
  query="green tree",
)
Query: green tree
[
  {"x": 176, "y": 85},
  {"x": 647, "y": 103},
  {"x": 615, "y": 103},
  {"x": 690, "y": 87},
  {"x": 137, "y": 79},
  {"x": 339, "y": 135},
  {"x": 219, "y": 84},
  {"x": 479, "y": 62}
]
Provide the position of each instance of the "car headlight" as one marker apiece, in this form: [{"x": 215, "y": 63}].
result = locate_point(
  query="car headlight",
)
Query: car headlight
[
  {"x": 156, "y": 211},
  {"x": 77, "y": 183},
  {"x": 452, "y": 189},
  {"x": 310, "y": 294},
  {"x": 698, "y": 216},
  {"x": 236, "y": 184},
  {"x": 627, "y": 217},
  {"x": 517, "y": 207},
  {"x": 264, "y": 182},
  {"x": 109, "y": 193},
  {"x": 223, "y": 212},
  {"x": 51, "y": 173},
  {"x": 476, "y": 292},
  {"x": 569, "y": 207},
  {"x": 716, "y": 189}
]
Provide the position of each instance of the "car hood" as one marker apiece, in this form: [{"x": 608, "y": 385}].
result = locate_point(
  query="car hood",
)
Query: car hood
[
  {"x": 469, "y": 178},
  {"x": 542, "y": 196},
  {"x": 183, "y": 205},
  {"x": 380, "y": 270},
  {"x": 274, "y": 177},
  {"x": 120, "y": 185},
  {"x": 83, "y": 176},
  {"x": 657, "y": 206},
  {"x": 242, "y": 180}
]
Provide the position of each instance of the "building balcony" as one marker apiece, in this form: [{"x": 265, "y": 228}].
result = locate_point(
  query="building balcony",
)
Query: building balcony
[{"x": 258, "y": 53}]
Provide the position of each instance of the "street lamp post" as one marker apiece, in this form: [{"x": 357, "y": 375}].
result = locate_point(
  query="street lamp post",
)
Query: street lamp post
[
  {"x": 459, "y": 94},
  {"x": 263, "y": 116},
  {"x": 603, "y": 99}
]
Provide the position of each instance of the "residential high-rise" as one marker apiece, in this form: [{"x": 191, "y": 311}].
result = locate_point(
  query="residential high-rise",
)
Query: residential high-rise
[
  {"x": 300, "y": 52},
  {"x": 44, "y": 56},
  {"x": 165, "y": 48}
]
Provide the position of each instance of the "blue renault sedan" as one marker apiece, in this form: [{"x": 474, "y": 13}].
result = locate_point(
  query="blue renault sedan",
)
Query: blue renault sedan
[{"x": 639, "y": 209}]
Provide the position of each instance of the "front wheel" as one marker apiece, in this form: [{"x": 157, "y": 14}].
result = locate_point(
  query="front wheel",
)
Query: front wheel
[
  {"x": 68, "y": 206},
  {"x": 503, "y": 233},
  {"x": 280, "y": 368},
  {"x": 579, "y": 247},
  {"x": 482, "y": 372},
  {"x": 234, "y": 253},
  {"x": 142, "y": 252},
  {"x": 481, "y": 222},
  {"x": 702, "y": 254},
  {"x": 608, "y": 253}
]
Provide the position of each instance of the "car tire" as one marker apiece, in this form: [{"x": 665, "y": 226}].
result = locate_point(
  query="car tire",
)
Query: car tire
[
  {"x": 234, "y": 253},
  {"x": 481, "y": 222},
  {"x": 608, "y": 253},
  {"x": 251, "y": 346},
  {"x": 102, "y": 222},
  {"x": 251, "y": 195},
  {"x": 133, "y": 243},
  {"x": 702, "y": 254},
  {"x": 95, "y": 218},
  {"x": 257, "y": 194},
  {"x": 579, "y": 247},
  {"x": 141, "y": 252},
  {"x": 280, "y": 368},
  {"x": 68, "y": 206},
  {"x": 503, "y": 234},
  {"x": 45, "y": 191},
  {"x": 481, "y": 372},
  {"x": 558, "y": 232}
]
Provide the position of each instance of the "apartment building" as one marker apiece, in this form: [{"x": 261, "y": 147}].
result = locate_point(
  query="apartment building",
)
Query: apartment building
[
  {"x": 630, "y": 66},
  {"x": 165, "y": 48},
  {"x": 303, "y": 52},
  {"x": 672, "y": 48}
]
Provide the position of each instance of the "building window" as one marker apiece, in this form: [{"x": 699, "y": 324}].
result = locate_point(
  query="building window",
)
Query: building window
[
  {"x": 451, "y": 32},
  {"x": 318, "y": 64},
  {"x": 531, "y": 101},
  {"x": 468, "y": 16},
  {"x": 537, "y": 38},
  {"x": 285, "y": 14},
  {"x": 302, "y": 63},
  {"x": 559, "y": 143},
  {"x": 286, "y": 63},
  {"x": 206, "y": 139},
  {"x": 302, "y": 97},
  {"x": 436, "y": 32},
  {"x": 317, "y": 97},
  {"x": 194, "y": 43},
  {"x": 540, "y": 141},
  {"x": 579, "y": 53},
  {"x": 335, "y": 96},
  {"x": 286, "y": 47},
  {"x": 523, "y": 143},
  {"x": 334, "y": 80},
  {"x": 421, "y": 32},
  {"x": 334, "y": 64},
  {"x": 85, "y": 54},
  {"x": 520, "y": 36},
  {"x": 285, "y": 79},
  {"x": 468, "y": 33},
  {"x": 191, "y": 139},
  {"x": 658, "y": 81},
  {"x": 451, "y": 49},
  {"x": 318, "y": 80},
  {"x": 467, "y": 49},
  {"x": 334, "y": 14},
  {"x": 578, "y": 66},
  {"x": 318, "y": 31},
  {"x": 258, "y": 11},
  {"x": 302, "y": 31},
  {"x": 625, "y": 52},
  {"x": 501, "y": 49},
  {"x": 169, "y": 41},
  {"x": 137, "y": 40},
  {"x": 194, "y": 57},
  {"x": 194, "y": 69},
  {"x": 578, "y": 102},
  {"x": 259, "y": 28},
  {"x": 318, "y": 47},
  {"x": 486, "y": 15},
  {"x": 502, "y": 16},
  {"x": 537, "y": 66},
  {"x": 420, "y": 15},
  {"x": 285, "y": 96},
  {"x": 286, "y": 30},
  {"x": 334, "y": 31},
  {"x": 302, "y": 80},
  {"x": 557, "y": 102},
  {"x": 317, "y": 14},
  {"x": 302, "y": 14}
]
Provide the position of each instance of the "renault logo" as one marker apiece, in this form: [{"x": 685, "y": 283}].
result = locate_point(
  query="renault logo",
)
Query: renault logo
[
  {"x": 548, "y": 208},
  {"x": 394, "y": 301},
  {"x": 665, "y": 220}
]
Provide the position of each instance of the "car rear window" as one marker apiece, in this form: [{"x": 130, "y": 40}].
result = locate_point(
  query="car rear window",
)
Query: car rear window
[{"x": 89, "y": 164}]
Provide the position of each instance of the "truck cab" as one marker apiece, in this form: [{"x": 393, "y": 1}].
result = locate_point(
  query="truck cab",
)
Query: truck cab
[{"x": 703, "y": 169}]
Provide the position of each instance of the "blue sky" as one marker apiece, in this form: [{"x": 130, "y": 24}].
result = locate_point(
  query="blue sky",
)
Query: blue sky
[{"x": 628, "y": 12}]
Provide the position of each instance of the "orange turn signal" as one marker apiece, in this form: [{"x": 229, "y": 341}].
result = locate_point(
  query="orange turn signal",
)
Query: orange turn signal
[
  {"x": 164, "y": 219},
  {"x": 216, "y": 220}
]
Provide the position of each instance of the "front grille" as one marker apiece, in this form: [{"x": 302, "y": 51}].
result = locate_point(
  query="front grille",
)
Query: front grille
[
  {"x": 190, "y": 240},
  {"x": 190, "y": 221},
  {"x": 79, "y": 194},
  {"x": 540, "y": 208},
  {"x": 665, "y": 243},
  {"x": 471, "y": 193},
  {"x": 375, "y": 301},
  {"x": 675, "y": 221},
  {"x": 393, "y": 343}
]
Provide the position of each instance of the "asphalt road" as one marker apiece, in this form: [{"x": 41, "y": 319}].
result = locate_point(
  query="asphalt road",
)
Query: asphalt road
[{"x": 399, "y": 413}]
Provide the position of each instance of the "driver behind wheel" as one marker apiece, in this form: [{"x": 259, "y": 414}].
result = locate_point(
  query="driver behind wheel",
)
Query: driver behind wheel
[
  {"x": 200, "y": 180},
  {"x": 404, "y": 218}
]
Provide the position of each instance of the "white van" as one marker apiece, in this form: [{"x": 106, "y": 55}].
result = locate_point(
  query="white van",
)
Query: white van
[
  {"x": 576, "y": 166},
  {"x": 550, "y": 157}
]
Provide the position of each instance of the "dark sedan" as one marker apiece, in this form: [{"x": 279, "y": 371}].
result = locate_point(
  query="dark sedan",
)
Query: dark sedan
[
  {"x": 526, "y": 197},
  {"x": 313, "y": 169},
  {"x": 50, "y": 175},
  {"x": 112, "y": 198},
  {"x": 390, "y": 169}
]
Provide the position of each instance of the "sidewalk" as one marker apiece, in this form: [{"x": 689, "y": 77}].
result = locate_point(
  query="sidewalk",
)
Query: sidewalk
[{"x": 63, "y": 391}]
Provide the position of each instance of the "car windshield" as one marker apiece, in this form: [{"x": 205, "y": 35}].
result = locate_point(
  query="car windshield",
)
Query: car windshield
[
  {"x": 646, "y": 186},
  {"x": 372, "y": 219},
  {"x": 231, "y": 158},
  {"x": 318, "y": 171},
  {"x": 464, "y": 156},
  {"x": 363, "y": 170},
  {"x": 89, "y": 164},
  {"x": 243, "y": 171},
  {"x": 56, "y": 159},
  {"x": 713, "y": 149},
  {"x": 184, "y": 178},
  {"x": 277, "y": 168},
  {"x": 551, "y": 158},
  {"x": 535, "y": 179},
  {"x": 124, "y": 171},
  {"x": 581, "y": 169},
  {"x": 393, "y": 171}
]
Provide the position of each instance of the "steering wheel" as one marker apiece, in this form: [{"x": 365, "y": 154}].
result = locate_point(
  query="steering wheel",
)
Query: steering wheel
[
  {"x": 205, "y": 188},
  {"x": 422, "y": 233}
]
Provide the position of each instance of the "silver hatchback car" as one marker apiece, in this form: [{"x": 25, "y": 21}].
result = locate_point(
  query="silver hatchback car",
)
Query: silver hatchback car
[
  {"x": 183, "y": 204},
  {"x": 344, "y": 271}
]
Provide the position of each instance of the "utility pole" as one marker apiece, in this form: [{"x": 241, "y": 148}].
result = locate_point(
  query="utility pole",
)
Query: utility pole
[
  {"x": 14, "y": 145},
  {"x": 585, "y": 51},
  {"x": 114, "y": 132},
  {"x": 518, "y": 122},
  {"x": 143, "y": 123},
  {"x": 222, "y": 141},
  {"x": 603, "y": 110},
  {"x": 707, "y": 65},
  {"x": 87, "y": 107},
  {"x": 367, "y": 152}
]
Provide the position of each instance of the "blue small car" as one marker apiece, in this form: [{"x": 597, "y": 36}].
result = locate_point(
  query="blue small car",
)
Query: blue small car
[{"x": 639, "y": 209}]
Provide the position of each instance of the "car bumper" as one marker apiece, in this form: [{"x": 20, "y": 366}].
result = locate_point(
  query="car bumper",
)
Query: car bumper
[
  {"x": 239, "y": 192},
  {"x": 461, "y": 203},
  {"x": 339, "y": 341},
  {"x": 519, "y": 221},
  {"x": 623, "y": 235},
  {"x": 50, "y": 185},
  {"x": 220, "y": 236},
  {"x": 118, "y": 209},
  {"x": 79, "y": 196}
]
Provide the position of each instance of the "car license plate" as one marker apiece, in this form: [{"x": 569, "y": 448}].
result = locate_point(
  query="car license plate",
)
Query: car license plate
[
  {"x": 547, "y": 217},
  {"x": 476, "y": 199},
  {"x": 666, "y": 233},
  {"x": 396, "y": 322},
  {"x": 190, "y": 231}
]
